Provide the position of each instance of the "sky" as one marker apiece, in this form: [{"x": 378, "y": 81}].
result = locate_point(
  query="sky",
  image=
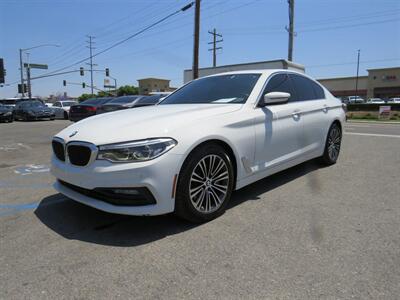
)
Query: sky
[{"x": 328, "y": 35}]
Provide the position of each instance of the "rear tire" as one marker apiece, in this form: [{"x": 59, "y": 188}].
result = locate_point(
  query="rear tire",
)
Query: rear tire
[
  {"x": 205, "y": 184},
  {"x": 332, "y": 145}
]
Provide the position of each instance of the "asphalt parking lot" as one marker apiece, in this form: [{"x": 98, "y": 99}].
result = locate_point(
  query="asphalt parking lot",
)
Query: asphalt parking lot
[{"x": 305, "y": 233}]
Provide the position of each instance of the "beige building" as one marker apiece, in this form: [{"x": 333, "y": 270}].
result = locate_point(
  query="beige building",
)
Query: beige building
[
  {"x": 148, "y": 85},
  {"x": 380, "y": 83}
]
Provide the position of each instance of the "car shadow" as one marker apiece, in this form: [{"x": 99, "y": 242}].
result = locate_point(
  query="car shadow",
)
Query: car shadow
[{"x": 73, "y": 220}]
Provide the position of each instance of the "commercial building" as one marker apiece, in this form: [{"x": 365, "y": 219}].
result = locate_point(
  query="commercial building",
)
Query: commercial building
[
  {"x": 271, "y": 64},
  {"x": 148, "y": 85},
  {"x": 380, "y": 83}
]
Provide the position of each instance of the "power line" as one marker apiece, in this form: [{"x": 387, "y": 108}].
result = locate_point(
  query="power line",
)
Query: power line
[{"x": 186, "y": 7}]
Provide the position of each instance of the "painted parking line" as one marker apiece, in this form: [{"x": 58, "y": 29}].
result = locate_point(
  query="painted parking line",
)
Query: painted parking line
[{"x": 373, "y": 134}]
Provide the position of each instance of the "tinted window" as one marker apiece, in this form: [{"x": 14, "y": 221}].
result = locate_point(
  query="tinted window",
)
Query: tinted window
[
  {"x": 306, "y": 89},
  {"x": 68, "y": 103},
  {"x": 280, "y": 83},
  {"x": 97, "y": 101},
  {"x": 319, "y": 91},
  {"x": 234, "y": 88}
]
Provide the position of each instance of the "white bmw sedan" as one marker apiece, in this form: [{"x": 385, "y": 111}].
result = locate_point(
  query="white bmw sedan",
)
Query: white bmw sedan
[{"x": 187, "y": 154}]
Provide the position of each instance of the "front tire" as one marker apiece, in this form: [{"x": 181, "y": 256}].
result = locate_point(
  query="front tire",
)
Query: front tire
[
  {"x": 332, "y": 145},
  {"x": 205, "y": 184}
]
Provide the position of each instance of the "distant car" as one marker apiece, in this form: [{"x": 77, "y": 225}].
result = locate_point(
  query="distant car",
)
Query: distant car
[
  {"x": 61, "y": 108},
  {"x": 6, "y": 113},
  {"x": 125, "y": 102},
  {"x": 394, "y": 100},
  {"x": 87, "y": 108},
  {"x": 354, "y": 100},
  {"x": 375, "y": 101},
  {"x": 119, "y": 103},
  {"x": 32, "y": 110}
]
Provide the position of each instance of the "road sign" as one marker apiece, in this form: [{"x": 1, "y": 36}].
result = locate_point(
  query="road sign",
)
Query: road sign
[
  {"x": 107, "y": 84},
  {"x": 384, "y": 111},
  {"x": 36, "y": 66}
]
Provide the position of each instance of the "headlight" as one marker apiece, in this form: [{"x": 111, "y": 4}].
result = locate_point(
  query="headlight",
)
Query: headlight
[
  {"x": 31, "y": 112},
  {"x": 7, "y": 113},
  {"x": 136, "y": 151}
]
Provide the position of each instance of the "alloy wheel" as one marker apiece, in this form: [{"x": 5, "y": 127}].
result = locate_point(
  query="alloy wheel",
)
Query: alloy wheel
[
  {"x": 208, "y": 185},
  {"x": 334, "y": 141}
]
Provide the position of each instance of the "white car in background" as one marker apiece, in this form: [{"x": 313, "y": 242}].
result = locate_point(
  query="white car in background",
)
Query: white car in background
[
  {"x": 187, "y": 154},
  {"x": 375, "y": 101},
  {"x": 354, "y": 99},
  {"x": 394, "y": 100},
  {"x": 61, "y": 108}
]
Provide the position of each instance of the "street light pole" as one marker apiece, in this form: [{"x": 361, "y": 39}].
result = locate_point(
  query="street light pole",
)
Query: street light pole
[
  {"x": 21, "y": 65},
  {"x": 28, "y": 71},
  {"x": 358, "y": 67}
]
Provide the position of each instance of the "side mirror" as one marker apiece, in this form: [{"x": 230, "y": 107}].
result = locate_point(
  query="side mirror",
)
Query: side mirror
[{"x": 276, "y": 98}]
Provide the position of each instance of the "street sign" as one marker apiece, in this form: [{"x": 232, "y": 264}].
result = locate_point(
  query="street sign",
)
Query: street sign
[{"x": 36, "y": 66}]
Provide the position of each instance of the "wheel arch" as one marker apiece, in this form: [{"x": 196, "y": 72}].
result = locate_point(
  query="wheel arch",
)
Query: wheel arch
[{"x": 220, "y": 142}]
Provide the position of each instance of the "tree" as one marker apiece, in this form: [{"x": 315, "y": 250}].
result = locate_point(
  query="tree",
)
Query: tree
[
  {"x": 127, "y": 90},
  {"x": 84, "y": 97}
]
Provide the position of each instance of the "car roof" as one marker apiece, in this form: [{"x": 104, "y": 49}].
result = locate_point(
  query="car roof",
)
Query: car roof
[{"x": 261, "y": 71}]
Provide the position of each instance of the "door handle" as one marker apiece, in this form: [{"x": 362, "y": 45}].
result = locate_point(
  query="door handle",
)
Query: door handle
[
  {"x": 325, "y": 108},
  {"x": 296, "y": 114}
]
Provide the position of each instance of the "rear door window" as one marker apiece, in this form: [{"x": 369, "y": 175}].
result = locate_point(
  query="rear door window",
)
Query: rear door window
[{"x": 306, "y": 89}]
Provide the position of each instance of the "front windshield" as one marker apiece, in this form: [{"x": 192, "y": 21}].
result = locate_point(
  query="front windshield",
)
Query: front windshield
[
  {"x": 234, "y": 88},
  {"x": 33, "y": 104}
]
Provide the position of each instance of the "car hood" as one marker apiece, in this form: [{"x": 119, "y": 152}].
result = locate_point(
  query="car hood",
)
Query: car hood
[{"x": 143, "y": 122}]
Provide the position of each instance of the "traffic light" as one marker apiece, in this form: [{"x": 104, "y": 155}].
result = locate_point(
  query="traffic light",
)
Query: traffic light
[
  {"x": 83, "y": 85},
  {"x": 81, "y": 71},
  {"x": 107, "y": 72},
  {"x": 2, "y": 71},
  {"x": 64, "y": 83}
]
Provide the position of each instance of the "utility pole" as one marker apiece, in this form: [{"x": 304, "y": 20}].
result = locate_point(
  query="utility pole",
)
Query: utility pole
[
  {"x": 28, "y": 76},
  {"x": 358, "y": 68},
  {"x": 21, "y": 66},
  {"x": 195, "y": 67},
  {"x": 214, "y": 43},
  {"x": 291, "y": 29},
  {"x": 91, "y": 60}
]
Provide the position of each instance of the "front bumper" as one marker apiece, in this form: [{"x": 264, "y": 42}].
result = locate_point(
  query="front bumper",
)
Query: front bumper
[
  {"x": 156, "y": 176},
  {"x": 4, "y": 117}
]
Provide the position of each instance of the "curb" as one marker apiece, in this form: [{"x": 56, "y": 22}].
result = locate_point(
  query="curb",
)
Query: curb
[{"x": 373, "y": 122}]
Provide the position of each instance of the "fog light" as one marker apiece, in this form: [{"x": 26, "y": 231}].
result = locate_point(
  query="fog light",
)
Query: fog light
[{"x": 126, "y": 192}]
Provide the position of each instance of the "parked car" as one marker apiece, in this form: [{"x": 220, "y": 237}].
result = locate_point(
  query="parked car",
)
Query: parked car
[
  {"x": 212, "y": 136},
  {"x": 61, "y": 108},
  {"x": 354, "y": 100},
  {"x": 32, "y": 110},
  {"x": 87, "y": 108},
  {"x": 48, "y": 104},
  {"x": 125, "y": 102},
  {"x": 394, "y": 100},
  {"x": 375, "y": 101},
  {"x": 6, "y": 113},
  {"x": 119, "y": 103}
]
